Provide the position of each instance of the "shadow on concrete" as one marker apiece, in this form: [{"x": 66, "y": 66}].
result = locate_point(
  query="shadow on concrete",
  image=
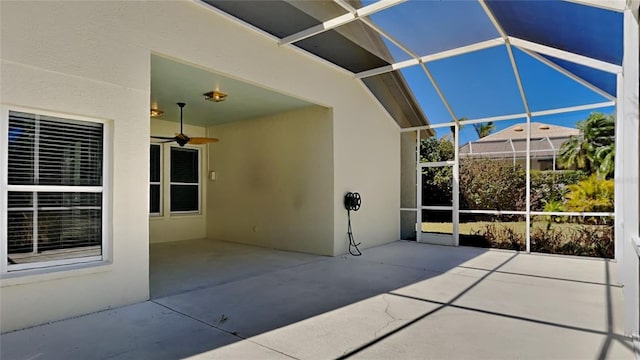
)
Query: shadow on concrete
[
  {"x": 260, "y": 301},
  {"x": 215, "y": 300}
]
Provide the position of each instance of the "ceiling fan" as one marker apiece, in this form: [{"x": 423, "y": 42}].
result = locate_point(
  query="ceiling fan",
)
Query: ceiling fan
[{"x": 183, "y": 139}]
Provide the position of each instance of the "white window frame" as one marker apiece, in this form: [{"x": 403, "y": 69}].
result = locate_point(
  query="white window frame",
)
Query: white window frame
[
  {"x": 198, "y": 211},
  {"x": 159, "y": 183},
  {"x": 105, "y": 189}
]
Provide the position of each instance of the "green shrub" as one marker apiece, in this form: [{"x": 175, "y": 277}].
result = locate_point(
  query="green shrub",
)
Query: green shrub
[
  {"x": 437, "y": 186},
  {"x": 578, "y": 240},
  {"x": 497, "y": 237},
  {"x": 551, "y": 186},
  {"x": 585, "y": 240},
  {"x": 491, "y": 184},
  {"x": 590, "y": 195},
  {"x": 554, "y": 206},
  {"x": 437, "y": 181}
]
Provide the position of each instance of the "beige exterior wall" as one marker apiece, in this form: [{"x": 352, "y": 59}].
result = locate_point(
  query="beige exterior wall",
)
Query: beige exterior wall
[
  {"x": 168, "y": 227},
  {"x": 366, "y": 147},
  {"x": 93, "y": 59},
  {"x": 274, "y": 182}
]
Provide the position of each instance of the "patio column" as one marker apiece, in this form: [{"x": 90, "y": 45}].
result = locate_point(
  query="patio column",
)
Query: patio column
[{"x": 627, "y": 204}]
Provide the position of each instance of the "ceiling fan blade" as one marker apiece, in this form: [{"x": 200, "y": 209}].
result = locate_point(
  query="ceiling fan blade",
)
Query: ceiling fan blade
[
  {"x": 202, "y": 140},
  {"x": 163, "y": 137}
]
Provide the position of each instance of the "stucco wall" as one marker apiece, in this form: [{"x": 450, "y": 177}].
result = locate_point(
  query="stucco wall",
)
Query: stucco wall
[
  {"x": 93, "y": 59},
  {"x": 274, "y": 182},
  {"x": 168, "y": 227},
  {"x": 63, "y": 60},
  {"x": 367, "y": 161}
]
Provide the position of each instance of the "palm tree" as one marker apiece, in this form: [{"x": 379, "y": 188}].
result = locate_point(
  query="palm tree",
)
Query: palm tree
[
  {"x": 460, "y": 127},
  {"x": 605, "y": 157},
  {"x": 594, "y": 149},
  {"x": 484, "y": 129},
  {"x": 574, "y": 153}
]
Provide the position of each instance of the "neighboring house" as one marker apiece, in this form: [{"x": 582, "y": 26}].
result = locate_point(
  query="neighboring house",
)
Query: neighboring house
[{"x": 510, "y": 144}]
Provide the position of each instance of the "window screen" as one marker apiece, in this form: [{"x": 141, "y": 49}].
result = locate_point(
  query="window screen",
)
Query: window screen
[{"x": 185, "y": 180}]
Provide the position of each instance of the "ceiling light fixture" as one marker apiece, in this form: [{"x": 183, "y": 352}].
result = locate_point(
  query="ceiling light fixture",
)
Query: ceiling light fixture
[
  {"x": 155, "y": 113},
  {"x": 215, "y": 96}
]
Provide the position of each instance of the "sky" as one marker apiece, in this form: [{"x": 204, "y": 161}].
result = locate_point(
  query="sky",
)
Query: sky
[{"x": 482, "y": 83}]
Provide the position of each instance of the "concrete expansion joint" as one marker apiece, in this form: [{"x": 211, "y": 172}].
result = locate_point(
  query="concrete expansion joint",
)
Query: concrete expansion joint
[{"x": 220, "y": 321}]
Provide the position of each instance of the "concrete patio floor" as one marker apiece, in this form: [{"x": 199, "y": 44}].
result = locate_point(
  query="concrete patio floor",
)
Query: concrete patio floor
[{"x": 403, "y": 300}]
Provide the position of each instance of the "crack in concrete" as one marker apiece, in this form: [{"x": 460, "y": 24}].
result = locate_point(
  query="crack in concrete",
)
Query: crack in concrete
[{"x": 390, "y": 315}]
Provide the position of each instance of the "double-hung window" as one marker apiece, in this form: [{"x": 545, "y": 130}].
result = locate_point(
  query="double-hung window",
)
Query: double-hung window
[
  {"x": 185, "y": 180},
  {"x": 155, "y": 180},
  {"x": 53, "y": 202}
]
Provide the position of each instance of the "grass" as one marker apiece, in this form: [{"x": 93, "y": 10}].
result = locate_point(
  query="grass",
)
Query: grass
[
  {"x": 555, "y": 238},
  {"x": 469, "y": 228}
]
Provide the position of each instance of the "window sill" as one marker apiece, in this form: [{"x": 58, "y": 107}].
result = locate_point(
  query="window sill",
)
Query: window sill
[
  {"x": 24, "y": 277},
  {"x": 185, "y": 215}
]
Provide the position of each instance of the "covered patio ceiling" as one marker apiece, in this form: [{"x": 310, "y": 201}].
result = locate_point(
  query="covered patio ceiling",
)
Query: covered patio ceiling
[{"x": 437, "y": 62}]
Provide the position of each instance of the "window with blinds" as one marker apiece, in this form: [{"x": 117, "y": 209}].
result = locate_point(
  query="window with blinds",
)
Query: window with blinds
[
  {"x": 155, "y": 184},
  {"x": 54, "y": 191},
  {"x": 185, "y": 180}
]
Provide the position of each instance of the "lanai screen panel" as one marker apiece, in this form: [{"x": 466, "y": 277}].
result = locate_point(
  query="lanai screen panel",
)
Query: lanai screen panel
[
  {"x": 361, "y": 36},
  {"x": 603, "y": 80},
  {"x": 428, "y": 27},
  {"x": 426, "y": 95},
  {"x": 268, "y": 15},
  {"x": 336, "y": 48},
  {"x": 584, "y": 30},
  {"x": 547, "y": 88},
  {"x": 479, "y": 84}
]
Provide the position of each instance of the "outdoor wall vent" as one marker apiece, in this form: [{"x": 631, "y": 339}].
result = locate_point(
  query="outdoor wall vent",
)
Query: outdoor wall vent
[
  {"x": 215, "y": 96},
  {"x": 518, "y": 129},
  {"x": 544, "y": 127}
]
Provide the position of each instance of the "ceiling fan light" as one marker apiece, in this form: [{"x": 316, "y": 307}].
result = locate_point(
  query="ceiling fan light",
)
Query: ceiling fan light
[
  {"x": 215, "y": 96},
  {"x": 155, "y": 113}
]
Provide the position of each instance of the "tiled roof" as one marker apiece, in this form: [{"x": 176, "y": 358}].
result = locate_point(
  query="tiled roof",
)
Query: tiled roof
[
  {"x": 546, "y": 140},
  {"x": 538, "y": 131}
]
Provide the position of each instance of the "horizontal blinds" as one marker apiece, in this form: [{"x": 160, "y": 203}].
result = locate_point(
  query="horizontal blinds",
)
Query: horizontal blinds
[
  {"x": 64, "y": 221},
  {"x": 154, "y": 199},
  {"x": 154, "y": 178},
  {"x": 45, "y": 150},
  {"x": 184, "y": 198},
  {"x": 22, "y": 129},
  {"x": 154, "y": 155},
  {"x": 185, "y": 178},
  {"x": 20, "y": 231},
  {"x": 45, "y": 225},
  {"x": 69, "y": 228},
  {"x": 184, "y": 165},
  {"x": 18, "y": 200}
]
